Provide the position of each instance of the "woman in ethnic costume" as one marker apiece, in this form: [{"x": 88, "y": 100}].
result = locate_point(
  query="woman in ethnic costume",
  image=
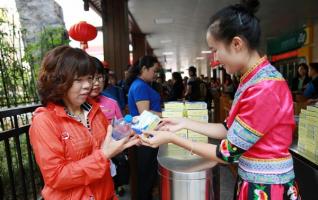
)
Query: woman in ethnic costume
[{"x": 259, "y": 129}]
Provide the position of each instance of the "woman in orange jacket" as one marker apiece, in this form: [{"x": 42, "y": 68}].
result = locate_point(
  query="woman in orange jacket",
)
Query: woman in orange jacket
[{"x": 70, "y": 136}]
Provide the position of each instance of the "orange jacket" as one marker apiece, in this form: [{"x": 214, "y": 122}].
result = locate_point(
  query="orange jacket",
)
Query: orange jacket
[{"x": 69, "y": 155}]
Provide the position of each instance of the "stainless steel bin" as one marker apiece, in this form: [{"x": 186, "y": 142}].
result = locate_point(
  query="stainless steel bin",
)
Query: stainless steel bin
[{"x": 184, "y": 176}]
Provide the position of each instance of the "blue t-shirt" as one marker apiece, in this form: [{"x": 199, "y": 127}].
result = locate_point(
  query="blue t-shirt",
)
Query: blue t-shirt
[
  {"x": 311, "y": 91},
  {"x": 141, "y": 91}
]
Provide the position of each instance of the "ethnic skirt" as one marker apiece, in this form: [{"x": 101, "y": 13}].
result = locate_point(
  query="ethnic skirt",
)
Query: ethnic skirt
[{"x": 252, "y": 191}]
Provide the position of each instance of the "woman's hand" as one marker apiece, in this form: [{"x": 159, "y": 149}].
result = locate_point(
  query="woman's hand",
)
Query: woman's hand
[
  {"x": 172, "y": 124},
  {"x": 111, "y": 147},
  {"x": 156, "y": 138}
]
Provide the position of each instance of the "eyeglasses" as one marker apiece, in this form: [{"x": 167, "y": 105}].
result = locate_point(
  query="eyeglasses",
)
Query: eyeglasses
[{"x": 99, "y": 78}]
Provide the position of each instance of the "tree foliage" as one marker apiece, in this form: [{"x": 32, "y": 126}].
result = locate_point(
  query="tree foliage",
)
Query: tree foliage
[{"x": 20, "y": 62}]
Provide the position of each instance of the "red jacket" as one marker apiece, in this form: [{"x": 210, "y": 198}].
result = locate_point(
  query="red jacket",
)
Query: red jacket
[{"x": 69, "y": 155}]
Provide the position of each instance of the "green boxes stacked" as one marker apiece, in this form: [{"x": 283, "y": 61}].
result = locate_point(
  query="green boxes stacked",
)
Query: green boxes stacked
[
  {"x": 197, "y": 111},
  {"x": 175, "y": 109},
  {"x": 193, "y": 110},
  {"x": 308, "y": 133}
]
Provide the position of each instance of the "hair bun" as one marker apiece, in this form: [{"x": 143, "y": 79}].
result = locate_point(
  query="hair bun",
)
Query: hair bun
[{"x": 251, "y": 5}]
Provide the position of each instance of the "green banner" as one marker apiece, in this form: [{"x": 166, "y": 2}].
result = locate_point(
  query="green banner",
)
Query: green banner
[{"x": 286, "y": 42}]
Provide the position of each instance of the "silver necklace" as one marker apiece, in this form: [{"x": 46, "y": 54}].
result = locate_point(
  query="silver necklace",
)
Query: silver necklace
[{"x": 78, "y": 117}]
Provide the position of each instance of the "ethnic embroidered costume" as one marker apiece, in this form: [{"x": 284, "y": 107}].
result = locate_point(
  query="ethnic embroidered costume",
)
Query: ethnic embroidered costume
[{"x": 260, "y": 130}]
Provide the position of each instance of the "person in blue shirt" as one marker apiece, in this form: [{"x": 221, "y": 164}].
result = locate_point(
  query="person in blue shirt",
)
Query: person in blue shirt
[
  {"x": 142, "y": 96},
  {"x": 311, "y": 91}
]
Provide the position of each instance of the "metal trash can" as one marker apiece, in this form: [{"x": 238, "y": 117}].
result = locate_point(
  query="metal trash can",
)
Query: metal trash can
[{"x": 184, "y": 176}]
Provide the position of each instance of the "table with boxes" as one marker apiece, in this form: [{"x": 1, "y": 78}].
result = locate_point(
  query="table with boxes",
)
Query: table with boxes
[
  {"x": 305, "y": 153},
  {"x": 192, "y": 110},
  {"x": 308, "y": 133},
  {"x": 184, "y": 175}
]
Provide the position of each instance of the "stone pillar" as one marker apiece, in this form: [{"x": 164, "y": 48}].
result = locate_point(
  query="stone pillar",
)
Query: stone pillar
[
  {"x": 116, "y": 35},
  {"x": 36, "y": 15}
]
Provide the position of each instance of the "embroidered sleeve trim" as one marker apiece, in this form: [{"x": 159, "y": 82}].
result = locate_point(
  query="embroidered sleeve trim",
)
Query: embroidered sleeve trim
[
  {"x": 242, "y": 135},
  {"x": 248, "y": 127}
]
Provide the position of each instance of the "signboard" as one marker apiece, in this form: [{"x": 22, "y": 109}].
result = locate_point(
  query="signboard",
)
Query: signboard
[
  {"x": 287, "y": 42},
  {"x": 283, "y": 56}
]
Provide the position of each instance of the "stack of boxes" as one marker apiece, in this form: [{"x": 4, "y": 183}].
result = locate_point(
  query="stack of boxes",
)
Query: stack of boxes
[
  {"x": 308, "y": 133},
  {"x": 197, "y": 111},
  {"x": 193, "y": 110},
  {"x": 175, "y": 109}
]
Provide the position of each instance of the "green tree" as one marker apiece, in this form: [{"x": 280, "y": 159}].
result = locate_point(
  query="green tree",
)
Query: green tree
[
  {"x": 49, "y": 38},
  {"x": 19, "y": 66}
]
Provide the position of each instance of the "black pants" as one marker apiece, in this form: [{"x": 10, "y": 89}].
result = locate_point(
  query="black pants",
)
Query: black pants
[{"x": 147, "y": 174}]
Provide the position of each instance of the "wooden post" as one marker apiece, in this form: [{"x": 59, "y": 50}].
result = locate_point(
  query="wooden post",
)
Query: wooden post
[
  {"x": 116, "y": 35},
  {"x": 139, "y": 45}
]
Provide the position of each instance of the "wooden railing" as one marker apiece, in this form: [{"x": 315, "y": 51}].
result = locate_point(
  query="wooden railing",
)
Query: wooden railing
[
  {"x": 225, "y": 106},
  {"x": 19, "y": 175}
]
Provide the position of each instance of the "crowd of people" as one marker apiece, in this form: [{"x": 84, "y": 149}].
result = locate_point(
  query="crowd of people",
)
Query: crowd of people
[
  {"x": 305, "y": 84},
  {"x": 203, "y": 88}
]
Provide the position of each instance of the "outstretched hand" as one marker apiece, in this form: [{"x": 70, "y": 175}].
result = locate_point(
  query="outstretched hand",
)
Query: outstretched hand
[
  {"x": 156, "y": 138},
  {"x": 171, "y": 124},
  {"x": 111, "y": 147}
]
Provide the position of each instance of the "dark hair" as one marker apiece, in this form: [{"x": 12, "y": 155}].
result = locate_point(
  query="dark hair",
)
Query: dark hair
[
  {"x": 101, "y": 69},
  {"x": 177, "y": 76},
  {"x": 58, "y": 69},
  {"x": 135, "y": 70},
  {"x": 237, "y": 20},
  {"x": 304, "y": 65},
  {"x": 193, "y": 70}
]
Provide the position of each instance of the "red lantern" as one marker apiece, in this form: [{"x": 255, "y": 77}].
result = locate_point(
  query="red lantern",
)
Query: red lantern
[
  {"x": 83, "y": 32},
  {"x": 105, "y": 64},
  {"x": 214, "y": 63}
]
